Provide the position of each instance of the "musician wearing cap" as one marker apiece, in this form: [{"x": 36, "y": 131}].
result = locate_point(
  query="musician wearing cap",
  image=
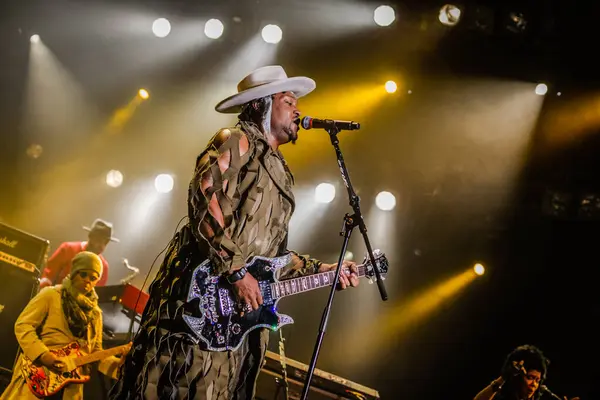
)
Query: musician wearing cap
[
  {"x": 56, "y": 317},
  {"x": 239, "y": 206},
  {"x": 59, "y": 264}
]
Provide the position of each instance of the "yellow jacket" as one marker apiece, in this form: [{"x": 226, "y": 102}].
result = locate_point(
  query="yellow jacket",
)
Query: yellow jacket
[{"x": 42, "y": 326}]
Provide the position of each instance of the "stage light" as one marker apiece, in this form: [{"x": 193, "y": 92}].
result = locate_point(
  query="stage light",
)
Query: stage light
[
  {"x": 34, "y": 38},
  {"x": 541, "y": 89},
  {"x": 161, "y": 27},
  {"x": 385, "y": 201},
  {"x": 349, "y": 256},
  {"x": 143, "y": 93},
  {"x": 324, "y": 193},
  {"x": 391, "y": 87},
  {"x": 516, "y": 22},
  {"x": 384, "y": 15},
  {"x": 272, "y": 34},
  {"x": 114, "y": 178},
  {"x": 449, "y": 15},
  {"x": 34, "y": 151},
  {"x": 163, "y": 183},
  {"x": 479, "y": 269},
  {"x": 213, "y": 28}
]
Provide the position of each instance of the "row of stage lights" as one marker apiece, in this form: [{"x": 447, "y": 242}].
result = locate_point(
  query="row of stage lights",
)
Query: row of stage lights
[
  {"x": 35, "y": 150},
  {"x": 271, "y": 33},
  {"x": 324, "y": 192}
]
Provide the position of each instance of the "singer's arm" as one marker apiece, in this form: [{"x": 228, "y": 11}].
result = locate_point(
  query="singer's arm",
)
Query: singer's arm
[
  {"x": 489, "y": 392},
  {"x": 213, "y": 195}
]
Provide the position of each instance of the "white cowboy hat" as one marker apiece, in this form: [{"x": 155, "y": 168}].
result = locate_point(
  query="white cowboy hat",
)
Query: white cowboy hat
[{"x": 264, "y": 82}]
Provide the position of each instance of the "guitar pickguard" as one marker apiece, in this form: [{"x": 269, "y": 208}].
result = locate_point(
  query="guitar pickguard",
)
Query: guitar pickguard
[
  {"x": 43, "y": 382},
  {"x": 218, "y": 322}
]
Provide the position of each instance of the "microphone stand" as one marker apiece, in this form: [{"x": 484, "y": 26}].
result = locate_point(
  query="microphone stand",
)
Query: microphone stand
[
  {"x": 282, "y": 383},
  {"x": 350, "y": 222}
]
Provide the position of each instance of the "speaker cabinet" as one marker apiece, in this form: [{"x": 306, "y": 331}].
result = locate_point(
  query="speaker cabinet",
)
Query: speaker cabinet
[{"x": 22, "y": 256}]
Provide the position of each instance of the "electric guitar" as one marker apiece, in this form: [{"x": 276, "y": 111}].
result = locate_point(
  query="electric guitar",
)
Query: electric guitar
[
  {"x": 43, "y": 381},
  {"x": 221, "y": 322}
]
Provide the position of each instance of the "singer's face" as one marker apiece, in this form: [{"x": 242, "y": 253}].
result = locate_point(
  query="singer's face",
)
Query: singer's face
[
  {"x": 285, "y": 117},
  {"x": 531, "y": 383}
]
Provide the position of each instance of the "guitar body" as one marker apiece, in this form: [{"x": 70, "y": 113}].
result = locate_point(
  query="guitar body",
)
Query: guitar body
[
  {"x": 44, "y": 382},
  {"x": 222, "y": 325},
  {"x": 219, "y": 322}
]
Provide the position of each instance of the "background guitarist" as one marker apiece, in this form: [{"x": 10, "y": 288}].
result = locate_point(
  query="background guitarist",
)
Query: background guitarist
[
  {"x": 55, "y": 317},
  {"x": 239, "y": 206}
]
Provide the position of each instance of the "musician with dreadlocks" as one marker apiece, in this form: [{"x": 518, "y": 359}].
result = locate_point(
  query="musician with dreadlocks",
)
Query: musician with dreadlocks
[
  {"x": 523, "y": 374},
  {"x": 240, "y": 202}
]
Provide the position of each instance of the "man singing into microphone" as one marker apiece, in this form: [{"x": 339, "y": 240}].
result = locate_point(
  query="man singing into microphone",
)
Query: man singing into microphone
[
  {"x": 522, "y": 377},
  {"x": 239, "y": 206}
]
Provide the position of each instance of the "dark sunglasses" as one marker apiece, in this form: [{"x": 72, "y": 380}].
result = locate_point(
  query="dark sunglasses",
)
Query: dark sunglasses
[{"x": 93, "y": 277}]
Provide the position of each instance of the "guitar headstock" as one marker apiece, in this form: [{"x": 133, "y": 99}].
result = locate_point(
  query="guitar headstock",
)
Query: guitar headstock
[{"x": 381, "y": 263}]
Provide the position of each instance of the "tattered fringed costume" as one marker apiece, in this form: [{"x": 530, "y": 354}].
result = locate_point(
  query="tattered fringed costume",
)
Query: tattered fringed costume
[{"x": 255, "y": 196}]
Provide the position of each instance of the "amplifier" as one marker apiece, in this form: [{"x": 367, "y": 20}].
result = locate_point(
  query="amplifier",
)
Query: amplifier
[{"x": 22, "y": 256}]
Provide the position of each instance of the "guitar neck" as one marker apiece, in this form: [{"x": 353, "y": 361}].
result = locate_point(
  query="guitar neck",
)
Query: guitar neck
[
  {"x": 99, "y": 355},
  {"x": 306, "y": 283}
]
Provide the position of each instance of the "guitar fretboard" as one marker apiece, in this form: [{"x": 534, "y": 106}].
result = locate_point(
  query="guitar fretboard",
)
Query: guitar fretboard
[
  {"x": 310, "y": 282},
  {"x": 99, "y": 355}
]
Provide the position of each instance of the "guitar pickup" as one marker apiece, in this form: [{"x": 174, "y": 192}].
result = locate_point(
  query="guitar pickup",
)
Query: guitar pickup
[{"x": 226, "y": 302}]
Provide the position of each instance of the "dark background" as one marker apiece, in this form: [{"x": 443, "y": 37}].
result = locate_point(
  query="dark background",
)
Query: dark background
[{"x": 541, "y": 256}]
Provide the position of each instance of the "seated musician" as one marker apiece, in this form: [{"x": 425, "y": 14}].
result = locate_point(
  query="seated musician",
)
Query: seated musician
[
  {"x": 55, "y": 317},
  {"x": 523, "y": 374}
]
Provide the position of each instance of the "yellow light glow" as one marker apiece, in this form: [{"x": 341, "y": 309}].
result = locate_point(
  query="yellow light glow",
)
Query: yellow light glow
[
  {"x": 143, "y": 93},
  {"x": 479, "y": 269},
  {"x": 399, "y": 319},
  {"x": 356, "y": 104},
  {"x": 391, "y": 87}
]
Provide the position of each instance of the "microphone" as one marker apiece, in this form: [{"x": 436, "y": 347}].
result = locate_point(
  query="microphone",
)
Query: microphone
[
  {"x": 544, "y": 389},
  {"x": 310, "y": 123}
]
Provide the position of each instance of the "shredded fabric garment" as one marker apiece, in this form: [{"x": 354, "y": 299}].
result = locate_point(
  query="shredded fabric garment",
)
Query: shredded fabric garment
[{"x": 255, "y": 197}]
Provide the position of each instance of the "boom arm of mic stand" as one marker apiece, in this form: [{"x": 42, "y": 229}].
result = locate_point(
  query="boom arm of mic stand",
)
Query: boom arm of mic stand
[{"x": 350, "y": 222}]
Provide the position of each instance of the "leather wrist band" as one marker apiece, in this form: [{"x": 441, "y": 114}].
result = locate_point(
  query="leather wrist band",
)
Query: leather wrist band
[{"x": 237, "y": 275}]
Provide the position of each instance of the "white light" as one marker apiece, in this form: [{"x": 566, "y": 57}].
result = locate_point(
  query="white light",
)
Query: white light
[
  {"x": 479, "y": 269},
  {"x": 272, "y": 34},
  {"x": 213, "y": 28},
  {"x": 324, "y": 193},
  {"x": 385, "y": 201},
  {"x": 34, "y": 38},
  {"x": 349, "y": 256},
  {"x": 384, "y": 15},
  {"x": 114, "y": 178},
  {"x": 449, "y": 15},
  {"x": 391, "y": 87},
  {"x": 541, "y": 89},
  {"x": 163, "y": 183},
  {"x": 161, "y": 27}
]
